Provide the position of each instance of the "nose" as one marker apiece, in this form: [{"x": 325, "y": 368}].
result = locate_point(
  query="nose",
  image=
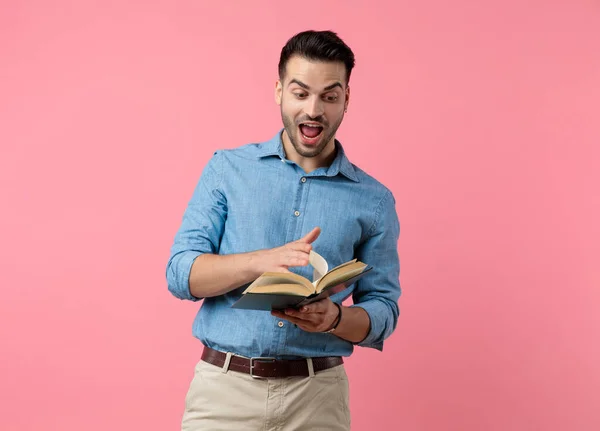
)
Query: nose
[{"x": 314, "y": 107}]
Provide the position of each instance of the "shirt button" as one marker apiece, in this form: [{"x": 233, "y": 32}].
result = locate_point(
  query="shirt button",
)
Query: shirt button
[
  {"x": 280, "y": 324},
  {"x": 296, "y": 213},
  {"x": 303, "y": 179}
]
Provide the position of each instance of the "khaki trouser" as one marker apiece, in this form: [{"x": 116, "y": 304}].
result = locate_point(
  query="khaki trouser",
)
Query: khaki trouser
[{"x": 231, "y": 400}]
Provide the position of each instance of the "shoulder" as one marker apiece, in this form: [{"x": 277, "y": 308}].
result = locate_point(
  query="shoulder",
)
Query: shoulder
[
  {"x": 245, "y": 152},
  {"x": 382, "y": 204},
  {"x": 372, "y": 185}
]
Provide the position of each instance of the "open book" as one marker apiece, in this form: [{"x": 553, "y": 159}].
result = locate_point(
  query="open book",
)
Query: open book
[{"x": 276, "y": 290}]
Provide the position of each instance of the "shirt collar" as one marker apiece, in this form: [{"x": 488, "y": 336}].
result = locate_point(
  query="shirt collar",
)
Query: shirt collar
[{"x": 340, "y": 165}]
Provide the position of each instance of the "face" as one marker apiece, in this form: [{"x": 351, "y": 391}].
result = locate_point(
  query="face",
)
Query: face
[{"x": 313, "y": 97}]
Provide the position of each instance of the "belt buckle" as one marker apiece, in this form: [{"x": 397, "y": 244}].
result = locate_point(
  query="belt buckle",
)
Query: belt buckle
[{"x": 259, "y": 359}]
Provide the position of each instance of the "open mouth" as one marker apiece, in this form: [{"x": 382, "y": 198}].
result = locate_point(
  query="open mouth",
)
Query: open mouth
[{"x": 310, "y": 132}]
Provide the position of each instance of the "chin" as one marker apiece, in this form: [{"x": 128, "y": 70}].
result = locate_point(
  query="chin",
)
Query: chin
[{"x": 309, "y": 150}]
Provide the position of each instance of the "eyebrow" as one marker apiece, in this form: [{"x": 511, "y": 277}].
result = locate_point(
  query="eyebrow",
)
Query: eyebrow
[{"x": 306, "y": 87}]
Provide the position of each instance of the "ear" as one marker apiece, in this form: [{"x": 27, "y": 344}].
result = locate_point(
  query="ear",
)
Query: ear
[
  {"x": 278, "y": 91},
  {"x": 347, "y": 99}
]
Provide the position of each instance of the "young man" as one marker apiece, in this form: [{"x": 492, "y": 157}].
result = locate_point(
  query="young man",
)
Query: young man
[{"x": 263, "y": 207}]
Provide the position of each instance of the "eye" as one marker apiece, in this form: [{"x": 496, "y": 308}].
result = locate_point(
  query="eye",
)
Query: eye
[
  {"x": 331, "y": 97},
  {"x": 300, "y": 95}
]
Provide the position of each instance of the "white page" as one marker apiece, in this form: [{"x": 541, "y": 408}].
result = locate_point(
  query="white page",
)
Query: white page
[{"x": 319, "y": 265}]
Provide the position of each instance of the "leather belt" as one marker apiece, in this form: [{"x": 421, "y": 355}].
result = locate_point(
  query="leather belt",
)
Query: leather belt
[{"x": 270, "y": 367}]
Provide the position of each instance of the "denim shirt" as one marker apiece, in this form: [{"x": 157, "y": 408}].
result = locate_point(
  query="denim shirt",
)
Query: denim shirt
[{"x": 252, "y": 198}]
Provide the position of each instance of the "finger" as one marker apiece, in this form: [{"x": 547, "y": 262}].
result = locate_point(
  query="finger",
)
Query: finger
[
  {"x": 317, "y": 307},
  {"x": 297, "y": 316},
  {"x": 281, "y": 315},
  {"x": 300, "y": 246},
  {"x": 310, "y": 237},
  {"x": 277, "y": 313},
  {"x": 301, "y": 323},
  {"x": 296, "y": 259}
]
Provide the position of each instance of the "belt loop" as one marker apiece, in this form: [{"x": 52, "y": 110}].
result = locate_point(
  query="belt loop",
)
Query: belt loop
[
  {"x": 311, "y": 370},
  {"x": 226, "y": 364}
]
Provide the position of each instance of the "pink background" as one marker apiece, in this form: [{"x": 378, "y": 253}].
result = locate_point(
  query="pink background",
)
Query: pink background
[{"x": 481, "y": 116}]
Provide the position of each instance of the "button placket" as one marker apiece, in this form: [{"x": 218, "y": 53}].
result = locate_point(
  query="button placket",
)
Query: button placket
[{"x": 297, "y": 213}]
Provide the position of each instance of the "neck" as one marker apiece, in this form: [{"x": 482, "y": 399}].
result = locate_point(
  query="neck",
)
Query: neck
[{"x": 309, "y": 164}]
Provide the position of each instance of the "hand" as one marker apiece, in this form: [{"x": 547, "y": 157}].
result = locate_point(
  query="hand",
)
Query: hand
[
  {"x": 318, "y": 316},
  {"x": 293, "y": 253}
]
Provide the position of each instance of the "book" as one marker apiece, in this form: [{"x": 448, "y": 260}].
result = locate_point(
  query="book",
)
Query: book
[{"x": 277, "y": 290}]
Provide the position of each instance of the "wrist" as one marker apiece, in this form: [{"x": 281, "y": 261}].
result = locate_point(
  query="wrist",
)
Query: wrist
[
  {"x": 251, "y": 266},
  {"x": 337, "y": 320}
]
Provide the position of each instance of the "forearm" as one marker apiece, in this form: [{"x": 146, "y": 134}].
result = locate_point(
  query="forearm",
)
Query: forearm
[
  {"x": 213, "y": 275},
  {"x": 354, "y": 324}
]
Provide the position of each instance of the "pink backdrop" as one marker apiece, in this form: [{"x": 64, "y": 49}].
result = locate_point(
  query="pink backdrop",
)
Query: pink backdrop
[{"x": 482, "y": 117}]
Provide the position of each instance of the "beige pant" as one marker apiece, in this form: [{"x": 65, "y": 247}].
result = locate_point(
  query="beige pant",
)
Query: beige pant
[{"x": 235, "y": 401}]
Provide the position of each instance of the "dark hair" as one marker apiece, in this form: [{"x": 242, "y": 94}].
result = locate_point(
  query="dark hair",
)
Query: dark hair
[{"x": 319, "y": 46}]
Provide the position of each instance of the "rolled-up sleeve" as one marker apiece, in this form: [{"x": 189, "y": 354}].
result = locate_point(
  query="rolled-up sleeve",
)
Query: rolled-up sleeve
[
  {"x": 201, "y": 229},
  {"x": 378, "y": 292}
]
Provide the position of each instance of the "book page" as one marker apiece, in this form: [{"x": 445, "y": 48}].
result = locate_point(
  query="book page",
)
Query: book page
[
  {"x": 343, "y": 265},
  {"x": 275, "y": 278},
  {"x": 319, "y": 265},
  {"x": 336, "y": 276},
  {"x": 284, "y": 289}
]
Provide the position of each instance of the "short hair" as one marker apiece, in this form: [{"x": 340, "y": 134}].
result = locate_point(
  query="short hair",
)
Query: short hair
[{"x": 319, "y": 46}]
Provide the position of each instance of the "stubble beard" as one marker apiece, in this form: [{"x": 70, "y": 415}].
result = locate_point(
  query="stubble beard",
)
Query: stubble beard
[{"x": 292, "y": 131}]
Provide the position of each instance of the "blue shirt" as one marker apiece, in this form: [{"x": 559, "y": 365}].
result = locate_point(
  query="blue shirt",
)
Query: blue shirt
[{"x": 252, "y": 198}]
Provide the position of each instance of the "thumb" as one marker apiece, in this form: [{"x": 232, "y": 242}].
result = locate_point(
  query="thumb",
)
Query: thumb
[
  {"x": 314, "y": 307},
  {"x": 310, "y": 237}
]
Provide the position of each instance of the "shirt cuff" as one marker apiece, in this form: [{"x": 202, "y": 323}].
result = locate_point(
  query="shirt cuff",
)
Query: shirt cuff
[
  {"x": 178, "y": 275},
  {"x": 378, "y": 314}
]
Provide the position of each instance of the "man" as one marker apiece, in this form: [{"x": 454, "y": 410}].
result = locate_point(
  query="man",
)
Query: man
[{"x": 264, "y": 207}]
